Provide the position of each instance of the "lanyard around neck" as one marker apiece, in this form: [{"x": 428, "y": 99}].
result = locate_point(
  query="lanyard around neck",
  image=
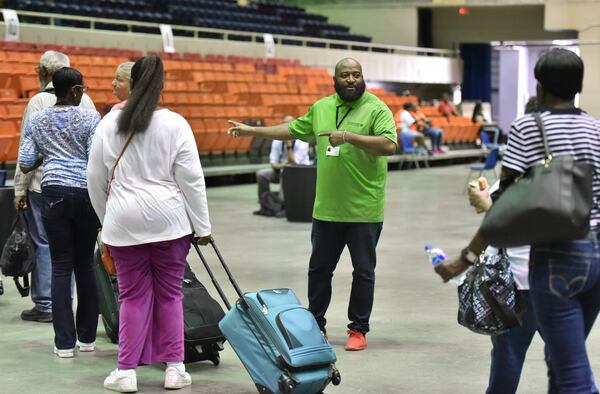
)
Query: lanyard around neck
[{"x": 337, "y": 112}]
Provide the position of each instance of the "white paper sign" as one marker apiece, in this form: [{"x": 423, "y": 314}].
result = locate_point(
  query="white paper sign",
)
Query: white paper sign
[
  {"x": 167, "y": 35},
  {"x": 11, "y": 23},
  {"x": 269, "y": 45}
]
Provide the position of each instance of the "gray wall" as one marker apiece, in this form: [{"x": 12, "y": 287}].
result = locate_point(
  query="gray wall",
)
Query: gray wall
[
  {"x": 485, "y": 24},
  {"x": 386, "y": 23}
]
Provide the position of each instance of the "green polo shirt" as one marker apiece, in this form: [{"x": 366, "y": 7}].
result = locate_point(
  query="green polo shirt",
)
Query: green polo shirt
[{"x": 351, "y": 186}]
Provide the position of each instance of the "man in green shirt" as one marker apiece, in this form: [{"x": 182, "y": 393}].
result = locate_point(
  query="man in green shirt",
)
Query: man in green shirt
[{"x": 354, "y": 131}]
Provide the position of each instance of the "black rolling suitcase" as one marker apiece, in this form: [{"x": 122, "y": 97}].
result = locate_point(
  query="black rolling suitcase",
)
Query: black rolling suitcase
[{"x": 201, "y": 314}]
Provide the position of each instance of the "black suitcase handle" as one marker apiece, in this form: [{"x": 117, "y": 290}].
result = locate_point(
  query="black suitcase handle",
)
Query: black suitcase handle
[{"x": 212, "y": 277}]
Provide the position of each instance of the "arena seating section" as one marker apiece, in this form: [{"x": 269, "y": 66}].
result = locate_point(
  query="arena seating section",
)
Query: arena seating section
[
  {"x": 206, "y": 90},
  {"x": 262, "y": 16}
]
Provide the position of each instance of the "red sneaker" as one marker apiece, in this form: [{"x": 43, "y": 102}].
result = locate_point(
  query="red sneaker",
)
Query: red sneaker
[{"x": 356, "y": 341}]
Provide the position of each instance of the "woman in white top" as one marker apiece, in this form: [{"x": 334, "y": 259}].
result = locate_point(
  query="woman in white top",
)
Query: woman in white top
[
  {"x": 154, "y": 203},
  {"x": 509, "y": 349}
]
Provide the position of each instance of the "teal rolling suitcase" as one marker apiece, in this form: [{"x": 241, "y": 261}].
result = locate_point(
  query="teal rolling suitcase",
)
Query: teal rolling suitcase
[{"x": 278, "y": 341}]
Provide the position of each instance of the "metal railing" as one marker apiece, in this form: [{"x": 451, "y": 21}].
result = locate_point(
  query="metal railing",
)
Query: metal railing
[{"x": 103, "y": 24}]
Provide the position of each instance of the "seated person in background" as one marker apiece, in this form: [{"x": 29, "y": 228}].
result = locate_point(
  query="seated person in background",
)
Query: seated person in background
[
  {"x": 479, "y": 118},
  {"x": 446, "y": 107},
  {"x": 282, "y": 154},
  {"x": 406, "y": 125},
  {"x": 423, "y": 125}
]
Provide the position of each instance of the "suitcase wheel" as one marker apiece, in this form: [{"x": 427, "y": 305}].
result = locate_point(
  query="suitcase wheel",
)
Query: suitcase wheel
[
  {"x": 211, "y": 353},
  {"x": 336, "y": 377},
  {"x": 216, "y": 359},
  {"x": 286, "y": 384}
]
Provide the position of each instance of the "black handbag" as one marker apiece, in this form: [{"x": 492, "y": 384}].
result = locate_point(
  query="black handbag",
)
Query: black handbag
[
  {"x": 488, "y": 301},
  {"x": 550, "y": 203},
  {"x": 18, "y": 254}
]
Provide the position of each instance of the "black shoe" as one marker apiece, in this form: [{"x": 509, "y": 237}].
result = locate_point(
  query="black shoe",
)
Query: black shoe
[{"x": 35, "y": 315}]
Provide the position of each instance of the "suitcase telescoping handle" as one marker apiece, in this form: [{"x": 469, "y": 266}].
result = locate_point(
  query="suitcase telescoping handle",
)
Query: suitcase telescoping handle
[{"x": 212, "y": 277}]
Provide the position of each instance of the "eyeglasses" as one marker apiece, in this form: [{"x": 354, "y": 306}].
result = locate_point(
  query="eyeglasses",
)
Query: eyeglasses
[{"x": 82, "y": 87}]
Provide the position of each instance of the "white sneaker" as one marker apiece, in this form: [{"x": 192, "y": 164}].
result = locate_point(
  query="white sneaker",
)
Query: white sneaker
[
  {"x": 64, "y": 353},
  {"x": 87, "y": 347},
  {"x": 121, "y": 381},
  {"x": 175, "y": 379}
]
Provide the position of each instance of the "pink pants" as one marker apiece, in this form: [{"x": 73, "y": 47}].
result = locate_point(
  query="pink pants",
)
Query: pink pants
[{"x": 151, "y": 316}]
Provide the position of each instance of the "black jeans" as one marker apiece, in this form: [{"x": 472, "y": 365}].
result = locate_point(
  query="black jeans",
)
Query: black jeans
[
  {"x": 328, "y": 241},
  {"x": 72, "y": 227}
]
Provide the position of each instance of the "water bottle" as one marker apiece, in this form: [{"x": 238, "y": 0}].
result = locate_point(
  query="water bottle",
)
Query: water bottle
[{"x": 437, "y": 256}]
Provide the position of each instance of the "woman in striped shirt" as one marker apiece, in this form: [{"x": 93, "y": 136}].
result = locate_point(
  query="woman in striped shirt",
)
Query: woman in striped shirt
[{"x": 564, "y": 277}]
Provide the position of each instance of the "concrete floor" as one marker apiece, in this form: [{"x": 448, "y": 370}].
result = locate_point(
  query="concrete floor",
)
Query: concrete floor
[{"x": 415, "y": 345}]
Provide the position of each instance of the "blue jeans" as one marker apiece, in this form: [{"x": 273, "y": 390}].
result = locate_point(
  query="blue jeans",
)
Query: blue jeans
[
  {"x": 72, "y": 227},
  {"x": 565, "y": 292},
  {"x": 41, "y": 277},
  {"x": 328, "y": 241},
  {"x": 509, "y": 350},
  {"x": 435, "y": 135}
]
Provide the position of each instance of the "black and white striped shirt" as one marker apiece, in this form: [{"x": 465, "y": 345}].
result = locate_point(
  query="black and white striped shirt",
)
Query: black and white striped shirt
[{"x": 569, "y": 132}]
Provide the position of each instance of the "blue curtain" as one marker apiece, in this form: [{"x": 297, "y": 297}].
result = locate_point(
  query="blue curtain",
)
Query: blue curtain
[{"x": 477, "y": 80}]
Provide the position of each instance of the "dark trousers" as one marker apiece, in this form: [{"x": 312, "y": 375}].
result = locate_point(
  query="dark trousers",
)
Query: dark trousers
[
  {"x": 565, "y": 291},
  {"x": 435, "y": 135},
  {"x": 328, "y": 241},
  {"x": 72, "y": 226},
  {"x": 264, "y": 178}
]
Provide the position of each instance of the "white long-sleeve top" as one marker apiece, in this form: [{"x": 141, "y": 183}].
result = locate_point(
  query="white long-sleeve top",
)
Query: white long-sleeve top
[{"x": 158, "y": 192}]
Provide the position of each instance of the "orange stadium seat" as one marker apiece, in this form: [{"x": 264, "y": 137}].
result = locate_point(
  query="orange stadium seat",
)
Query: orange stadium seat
[
  {"x": 207, "y": 90},
  {"x": 15, "y": 111},
  {"x": 13, "y": 149},
  {"x": 5, "y": 146},
  {"x": 9, "y": 127}
]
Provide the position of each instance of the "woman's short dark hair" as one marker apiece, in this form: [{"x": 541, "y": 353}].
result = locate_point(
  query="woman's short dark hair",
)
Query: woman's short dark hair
[
  {"x": 407, "y": 106},
  {"x": 146, "y": 86},
  {"x": 560, "y": 72},
  {"x": 531, "y": 105},
  {"x": 64, "y": 79}
]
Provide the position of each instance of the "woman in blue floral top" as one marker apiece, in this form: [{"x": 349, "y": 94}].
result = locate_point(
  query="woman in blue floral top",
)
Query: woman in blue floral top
[{"x": 61, "y": 137}]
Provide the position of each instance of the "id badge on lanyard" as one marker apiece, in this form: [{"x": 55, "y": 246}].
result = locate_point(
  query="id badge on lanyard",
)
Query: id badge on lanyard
[{"x": 335, "y": 151}]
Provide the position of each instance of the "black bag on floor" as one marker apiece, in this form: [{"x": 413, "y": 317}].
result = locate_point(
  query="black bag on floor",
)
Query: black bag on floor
[
  {"x": 201, "y": 314},
  {"x": 18, "y": 254},
  {"x": 489, "y": 302},
  {"x": 271, "y": 204}
]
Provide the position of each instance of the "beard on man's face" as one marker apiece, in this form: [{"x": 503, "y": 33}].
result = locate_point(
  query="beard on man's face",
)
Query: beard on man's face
[{"x": 349, "y": 95}]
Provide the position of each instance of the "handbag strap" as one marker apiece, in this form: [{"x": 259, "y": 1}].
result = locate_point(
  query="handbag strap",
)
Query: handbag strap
[
  {"x": 508, "y": 315},
  {"x": 540, "y": 123},
  {"x": 112, "y": 176},
  {"x": 22, "y": 289}
]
